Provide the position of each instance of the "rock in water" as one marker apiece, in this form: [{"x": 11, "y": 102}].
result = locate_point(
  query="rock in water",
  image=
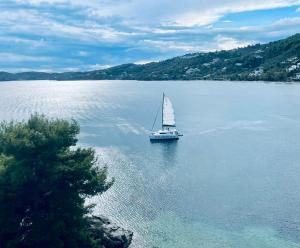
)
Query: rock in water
[{"x": 110, "y": 235}]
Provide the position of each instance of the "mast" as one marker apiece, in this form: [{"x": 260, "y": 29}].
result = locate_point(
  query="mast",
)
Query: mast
[{"x": 162, "y": 112}]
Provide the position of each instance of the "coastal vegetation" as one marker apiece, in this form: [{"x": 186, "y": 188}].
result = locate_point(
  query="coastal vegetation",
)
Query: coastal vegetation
[
  {"x": 275, "y": 61},
  {"x": 44, "y": 181}
]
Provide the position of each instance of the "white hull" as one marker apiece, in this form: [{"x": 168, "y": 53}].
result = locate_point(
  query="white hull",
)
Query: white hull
[{"x": 164, "y": 135}]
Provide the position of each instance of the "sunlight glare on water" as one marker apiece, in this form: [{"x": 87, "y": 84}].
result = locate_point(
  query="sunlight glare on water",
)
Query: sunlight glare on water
[{"x": 231, "y": 181}]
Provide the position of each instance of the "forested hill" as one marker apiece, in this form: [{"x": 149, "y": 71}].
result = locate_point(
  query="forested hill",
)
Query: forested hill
[{"x": 275, "y": 61}]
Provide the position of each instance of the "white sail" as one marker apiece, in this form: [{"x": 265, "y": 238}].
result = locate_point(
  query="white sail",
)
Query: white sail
[{"x": 168, "y": 113}]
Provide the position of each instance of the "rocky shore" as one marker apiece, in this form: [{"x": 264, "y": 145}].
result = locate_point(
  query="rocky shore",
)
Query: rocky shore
[{"x": 109, "y": 234}]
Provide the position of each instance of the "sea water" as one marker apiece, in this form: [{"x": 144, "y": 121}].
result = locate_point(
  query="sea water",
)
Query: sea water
[{"x": 232, "y": 180}]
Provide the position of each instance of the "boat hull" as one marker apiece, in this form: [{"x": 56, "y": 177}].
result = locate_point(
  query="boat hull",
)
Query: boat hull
[{"x": 164, "y": 136}]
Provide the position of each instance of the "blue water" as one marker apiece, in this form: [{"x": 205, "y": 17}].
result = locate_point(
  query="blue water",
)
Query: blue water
[{"x": 232, "y": 180}]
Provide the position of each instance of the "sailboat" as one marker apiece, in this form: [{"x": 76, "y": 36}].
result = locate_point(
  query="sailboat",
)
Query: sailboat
[{"x": 168, "y": 131}]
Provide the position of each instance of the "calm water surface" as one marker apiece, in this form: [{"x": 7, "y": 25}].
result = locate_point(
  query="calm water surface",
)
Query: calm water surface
[{"x": 232, "y": 180}]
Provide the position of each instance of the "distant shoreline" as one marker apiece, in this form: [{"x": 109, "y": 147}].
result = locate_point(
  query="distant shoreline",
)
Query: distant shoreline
[
  {"x": 277, "y": 61},
  {"x": 153, "y": 81}
]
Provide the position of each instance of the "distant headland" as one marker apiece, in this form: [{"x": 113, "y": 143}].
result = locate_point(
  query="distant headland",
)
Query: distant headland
[{"x": 274, "y": 61}]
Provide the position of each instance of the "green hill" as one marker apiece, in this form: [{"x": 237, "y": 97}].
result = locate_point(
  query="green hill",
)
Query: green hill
[{"x": 275, "y": 61}]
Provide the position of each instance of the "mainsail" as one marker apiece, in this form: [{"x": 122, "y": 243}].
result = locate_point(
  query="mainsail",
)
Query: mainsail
[{"x": 168, "y": 113}]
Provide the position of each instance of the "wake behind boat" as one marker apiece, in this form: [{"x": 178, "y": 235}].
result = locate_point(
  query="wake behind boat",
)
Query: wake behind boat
[{"x": 168, "y": 131}]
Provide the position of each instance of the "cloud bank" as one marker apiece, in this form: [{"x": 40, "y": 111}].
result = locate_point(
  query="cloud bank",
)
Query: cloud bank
[{"x": 57, "y": 34}]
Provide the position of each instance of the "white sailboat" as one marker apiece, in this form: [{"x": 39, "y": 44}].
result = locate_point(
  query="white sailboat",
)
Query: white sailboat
[{"x": 168, "y": 131}]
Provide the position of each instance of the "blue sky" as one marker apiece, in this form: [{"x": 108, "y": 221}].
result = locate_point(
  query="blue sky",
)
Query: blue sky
[{"x": 73, "y": 35}]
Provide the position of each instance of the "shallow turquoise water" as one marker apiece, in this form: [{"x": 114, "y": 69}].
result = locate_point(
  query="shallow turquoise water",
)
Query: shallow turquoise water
[{"x": 232, "y": 180}]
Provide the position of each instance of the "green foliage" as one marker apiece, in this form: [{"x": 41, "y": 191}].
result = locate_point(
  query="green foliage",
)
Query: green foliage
[
  {"x": 44, "y": 180},
  {"x": 273, "y": 59}
]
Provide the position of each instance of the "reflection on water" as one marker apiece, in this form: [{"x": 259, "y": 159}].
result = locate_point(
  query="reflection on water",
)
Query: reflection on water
[
  {"x": 168, "y": 151},
  {"x": 232, "y": 181}
]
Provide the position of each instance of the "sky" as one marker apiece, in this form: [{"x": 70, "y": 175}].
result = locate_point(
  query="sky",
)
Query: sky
[{"x": 81, "y": 35}]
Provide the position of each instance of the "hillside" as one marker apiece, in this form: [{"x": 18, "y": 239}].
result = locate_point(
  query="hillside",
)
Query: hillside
[{"x": 275, "y": 61}]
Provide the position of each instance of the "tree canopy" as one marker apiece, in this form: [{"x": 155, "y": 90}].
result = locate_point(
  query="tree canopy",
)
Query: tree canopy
[{"x": 44, "y": 180}]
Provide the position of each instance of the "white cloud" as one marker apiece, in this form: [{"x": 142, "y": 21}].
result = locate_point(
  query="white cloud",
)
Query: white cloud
[
  {"x": 96, "y": 67},
  {"x": 171, "y": 45},
  {"x": 17, "y": 41},
  {"x": 180, "y": 13},
  {"x": 227, "y": 43},
  {"x": 35, "y": 22},
  {"x": 143, "y": 62},
  {"x": 137, "y": 15},
  {"x": 220, "y": 42},
  {"x": 212, "y": 12},
  {"x": 24, "y": 69},
  {"x": 288, "y": 21},
  {"x": 43, "y": 69},
  {"x": 120, "y": 31},
  {"x": 13, "y": 57}
]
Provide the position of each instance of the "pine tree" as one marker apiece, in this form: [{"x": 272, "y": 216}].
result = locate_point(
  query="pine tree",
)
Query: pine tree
[{"x": 44, "y": 179}]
